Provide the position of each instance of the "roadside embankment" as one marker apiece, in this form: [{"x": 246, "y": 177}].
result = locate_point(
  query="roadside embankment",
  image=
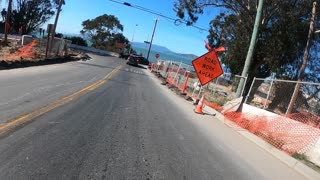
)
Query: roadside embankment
[{"x": 76, "y": 56}]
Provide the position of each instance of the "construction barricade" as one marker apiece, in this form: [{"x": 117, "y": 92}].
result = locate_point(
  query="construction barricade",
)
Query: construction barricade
[{"x": 263, "y": 114}]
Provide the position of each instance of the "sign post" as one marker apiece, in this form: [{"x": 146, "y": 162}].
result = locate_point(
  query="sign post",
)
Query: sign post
[
  {"x": 207, "y": 67},
  {"x": 50, "y": 28},
  {"x": 157, "y": 62}
]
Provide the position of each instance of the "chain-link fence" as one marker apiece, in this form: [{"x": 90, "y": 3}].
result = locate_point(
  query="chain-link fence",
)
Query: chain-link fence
[
  {"x": 296, "y": 133},
  {"x": 269, "y": 94},
  {"x": 59, "y": 47},
  {"x": 275, "y": 96},
  {"x": 223, "y": 88},
  {"x": 184, "y": 78}
]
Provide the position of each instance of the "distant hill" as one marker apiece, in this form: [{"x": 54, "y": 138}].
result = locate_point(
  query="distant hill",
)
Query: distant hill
[
  {"x": 155, "y": 47},
  {"x": 162, "y": 49},
  {"x": 190, "y": 56}
]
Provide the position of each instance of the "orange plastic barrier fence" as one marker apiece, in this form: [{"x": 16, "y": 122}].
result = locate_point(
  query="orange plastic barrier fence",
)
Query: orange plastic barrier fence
[
  {"x": 282, "y": 132},
  {"x": 295, "y": 133},
  {"x": 26, "y": 52}
]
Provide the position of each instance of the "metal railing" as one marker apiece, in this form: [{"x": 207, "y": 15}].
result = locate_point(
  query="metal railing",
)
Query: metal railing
[
  {"x": 274, "y": 95},
  {"x": 183, "y": 76}
]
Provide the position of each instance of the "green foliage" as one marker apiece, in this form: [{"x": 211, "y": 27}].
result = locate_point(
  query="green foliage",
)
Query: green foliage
[
  {"x": 30, "y": 14},
  {"x": 282, "y": 35},
  {"x": 102, "y": 30},
  {"x": 57, "y": 2},
  {"x": 77, "y": 40}
]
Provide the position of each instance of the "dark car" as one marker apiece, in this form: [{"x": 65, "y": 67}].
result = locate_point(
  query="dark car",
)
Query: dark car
[
  {"x": 133, "y": 60},
  {"x": 144, "y": 61}
]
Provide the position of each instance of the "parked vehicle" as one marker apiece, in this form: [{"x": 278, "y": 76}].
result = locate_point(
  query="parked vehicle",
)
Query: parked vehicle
[
  {"x": 134, "y": 60},
  {"x": 144, "y": 61}
]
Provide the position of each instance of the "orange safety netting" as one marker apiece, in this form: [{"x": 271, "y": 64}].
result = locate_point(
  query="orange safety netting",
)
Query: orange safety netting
[
  {"x": 282, "y": 132},
  {"x": 294, "y": 133},
  {"x": 26, "y": 52}
]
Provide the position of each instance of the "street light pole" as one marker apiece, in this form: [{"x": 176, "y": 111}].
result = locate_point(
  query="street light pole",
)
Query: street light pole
[
  {"x": 134, "y": 30},
  {"x": 7, "y": 25},
  {"x": 61, "y": 2},
  {"x": 251, "y": 48},
  {"x": 154, "y": 29},
  {"x": 57, "y": 17}
]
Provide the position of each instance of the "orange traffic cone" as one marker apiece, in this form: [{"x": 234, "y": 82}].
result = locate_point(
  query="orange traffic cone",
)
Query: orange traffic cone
[{"x": 199, "y": 106}]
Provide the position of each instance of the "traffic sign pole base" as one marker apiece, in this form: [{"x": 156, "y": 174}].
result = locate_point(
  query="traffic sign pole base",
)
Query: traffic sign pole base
[
  {"x": 199, "y": 107},
  {"x": 194, "y": 110}
]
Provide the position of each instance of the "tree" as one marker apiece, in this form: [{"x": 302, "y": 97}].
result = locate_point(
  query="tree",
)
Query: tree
[
  {"x": 30, "y": 14},
  {"x": 59, "y": 3},
  {"x": 7, "y": 21},
  {"x": 117, "y": 38},
  {"x": 3, "y": 14},
  {"x": 281, "y": 40},
  {"x": 101, "y": 29},
  {"x": 305, "y": 59},
  {"x": 77, "y": 40}
]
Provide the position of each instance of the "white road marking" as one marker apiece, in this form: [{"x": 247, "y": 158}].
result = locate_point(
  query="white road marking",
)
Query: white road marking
[{"x": 134, "y": 71}]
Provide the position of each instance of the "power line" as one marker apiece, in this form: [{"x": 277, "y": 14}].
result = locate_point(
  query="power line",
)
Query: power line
[{"x": 177, "y": 22}]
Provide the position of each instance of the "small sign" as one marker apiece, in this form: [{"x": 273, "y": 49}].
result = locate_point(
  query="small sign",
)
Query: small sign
[
  {"x": 207, "y": 67},
  {"x": 157, "y": 56},
  {"x": 50, "y": 28}
]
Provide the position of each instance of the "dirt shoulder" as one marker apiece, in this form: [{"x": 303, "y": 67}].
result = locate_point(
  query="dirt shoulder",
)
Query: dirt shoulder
[
  {"x": 5, "y": 64},
  {"x": 14, "y": 55}
]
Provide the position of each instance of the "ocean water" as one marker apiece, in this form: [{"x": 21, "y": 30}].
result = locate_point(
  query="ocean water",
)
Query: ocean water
[{"x": 163, "y": 55}]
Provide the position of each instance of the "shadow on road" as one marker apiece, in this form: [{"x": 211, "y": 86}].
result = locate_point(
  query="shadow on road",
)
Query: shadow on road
[
  {"x": 96, "y": 65},
  {"x": 142, "y": 67},
  {"x": 138, "y": 66}
]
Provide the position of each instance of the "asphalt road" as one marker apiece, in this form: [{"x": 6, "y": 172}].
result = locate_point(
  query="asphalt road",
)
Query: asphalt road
[
  {"x": 25, "y": 89},
  {"x": 128, "y": 128}
]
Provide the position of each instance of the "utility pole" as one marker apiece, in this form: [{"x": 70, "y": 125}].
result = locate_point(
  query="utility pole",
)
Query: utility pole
[
  {"x": 7, "y": 25},
  {"x": 132, "y": 38},
  {"x": 251, "y": 48},
  {"x": 304, "y": 61},
  {"x": 61, "y": 2},
  {"x": 154, "y": 29}
]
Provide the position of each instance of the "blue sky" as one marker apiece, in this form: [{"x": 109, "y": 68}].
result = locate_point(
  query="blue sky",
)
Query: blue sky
[{"x": 180, "y": 39}]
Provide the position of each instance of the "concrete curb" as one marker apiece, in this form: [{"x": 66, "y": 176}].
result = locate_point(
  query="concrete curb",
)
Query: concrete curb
[
  {"x": 28, "y": 63},
  {"x": 282, "y": 156}
]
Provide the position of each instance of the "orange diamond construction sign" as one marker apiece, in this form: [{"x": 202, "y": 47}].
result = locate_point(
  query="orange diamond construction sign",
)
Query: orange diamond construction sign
[{"x": 207, "y": 67}]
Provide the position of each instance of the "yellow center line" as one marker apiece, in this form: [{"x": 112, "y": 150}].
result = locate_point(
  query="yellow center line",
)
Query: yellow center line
[{"x": 28, "y": 117}]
